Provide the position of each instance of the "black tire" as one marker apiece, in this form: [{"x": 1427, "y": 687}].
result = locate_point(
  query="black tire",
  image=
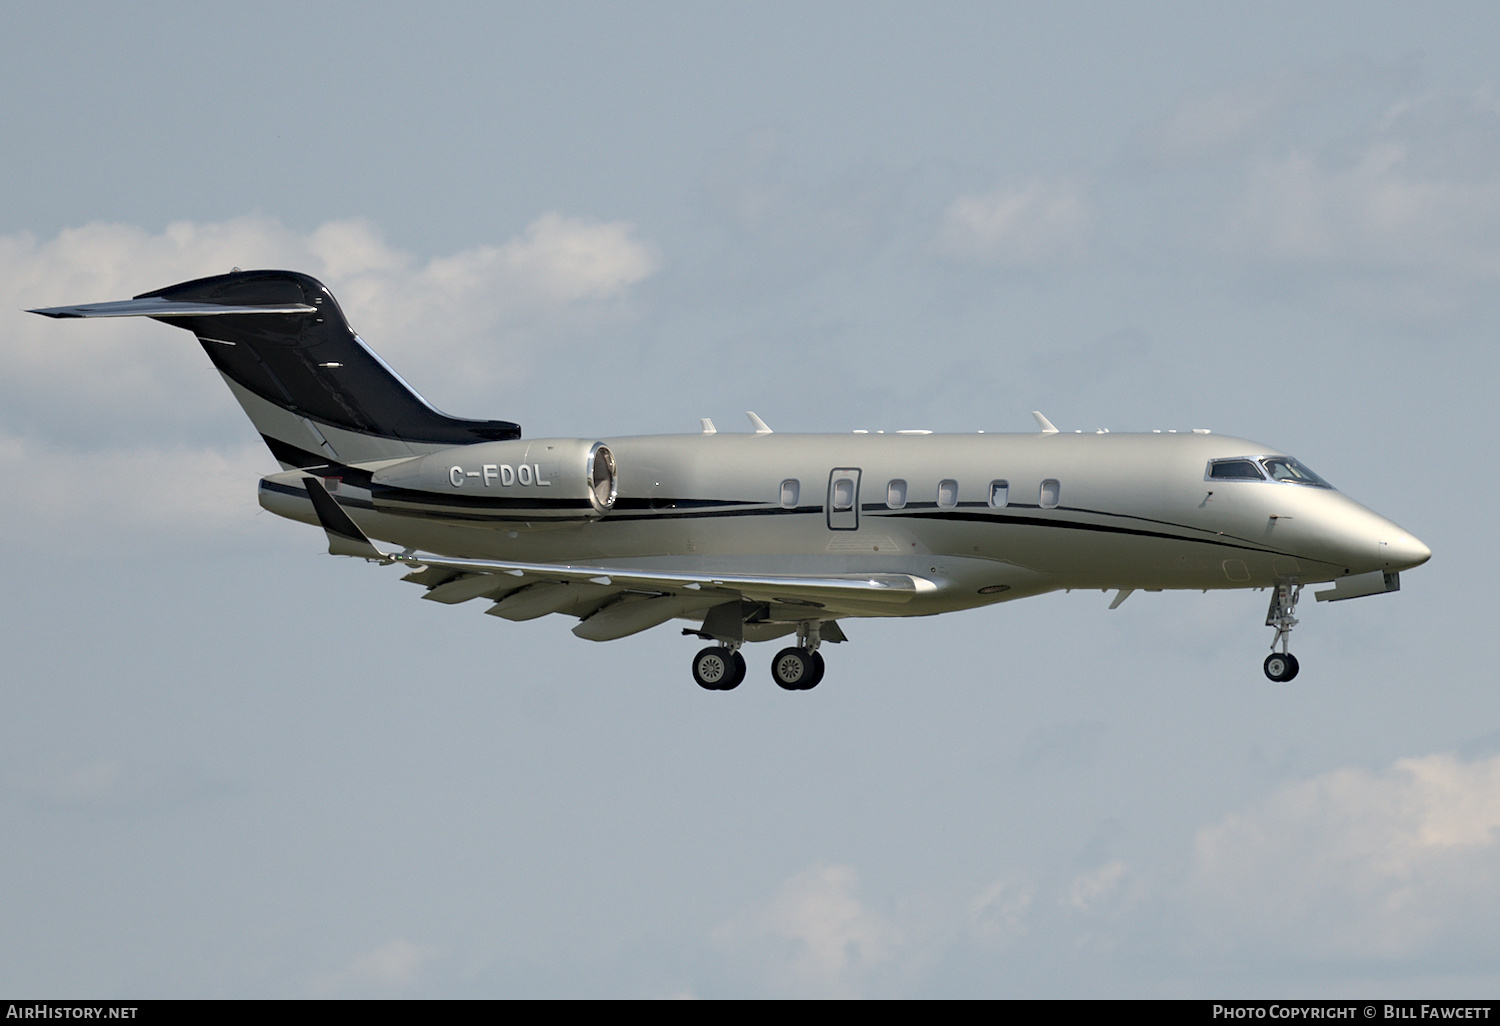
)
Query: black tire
[
  {"x": 817, "y": 671},
  {"x": 736, "y": 674},
  {"x": 1281, "y": 668},
  {"x": 791, "y": 668},
  {"x": 714, "y": 667}
]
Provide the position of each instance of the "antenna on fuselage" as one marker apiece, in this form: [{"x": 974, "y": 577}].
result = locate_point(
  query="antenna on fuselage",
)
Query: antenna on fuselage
[
  {"x": 761, "y": 428},
  {"x": 1047, "y": 428}
]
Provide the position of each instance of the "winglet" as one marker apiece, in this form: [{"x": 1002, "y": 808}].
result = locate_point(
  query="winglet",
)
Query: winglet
[
  {"x": 1046, "y": 425},
  {"x": 761, "y": 428},
  {"x": 344, "y": 536}
]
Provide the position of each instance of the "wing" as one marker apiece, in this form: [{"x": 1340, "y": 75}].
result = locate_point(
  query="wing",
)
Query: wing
[{"x": 614, "y": 601}]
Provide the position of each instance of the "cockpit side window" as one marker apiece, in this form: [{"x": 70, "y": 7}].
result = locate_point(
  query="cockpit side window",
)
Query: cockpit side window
[
  {"x": 1234, "y": 470},
  {"x": 1284, "y": 468}
]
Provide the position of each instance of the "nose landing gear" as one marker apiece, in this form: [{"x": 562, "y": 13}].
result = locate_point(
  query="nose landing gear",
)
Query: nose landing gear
[{"x": 1282, "y": 666}]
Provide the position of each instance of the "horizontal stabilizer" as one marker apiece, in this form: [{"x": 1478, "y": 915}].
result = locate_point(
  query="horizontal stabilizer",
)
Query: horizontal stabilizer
[
  {"x": 155, "y": 306},
  {"x": 344, "y": 536}
]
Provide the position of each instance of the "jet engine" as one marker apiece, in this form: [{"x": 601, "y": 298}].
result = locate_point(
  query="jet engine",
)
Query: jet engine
[{"x": 555, "y": 477}]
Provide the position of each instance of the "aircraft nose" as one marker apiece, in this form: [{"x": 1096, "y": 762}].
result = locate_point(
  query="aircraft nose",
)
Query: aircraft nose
[{"x": 1400, "y": 550}]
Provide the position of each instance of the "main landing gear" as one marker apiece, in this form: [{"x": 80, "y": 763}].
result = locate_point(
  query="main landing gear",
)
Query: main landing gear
[
  {"x": 797, "y": 669},
  {"x": 1282, "y": 666},
  {"x": 800, "y": 668},
  {"x": 719, "y": 668}
]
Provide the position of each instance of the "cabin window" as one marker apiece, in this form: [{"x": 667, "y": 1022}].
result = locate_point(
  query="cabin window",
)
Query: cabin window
[
  {"x": 1234, "y": 470},
  {"x": 791, "y": 490},
  {"x": 999, "y": 493},
  {"x": 1051, "y": 490},
  {"x": 843, "y": 493},
  {"x": 947, "y": 493},
  {"x": 895, "y": 494}
]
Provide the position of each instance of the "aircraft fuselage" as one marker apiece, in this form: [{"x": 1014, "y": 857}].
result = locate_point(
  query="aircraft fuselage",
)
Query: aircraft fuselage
[{"x": 985, "y": 517}]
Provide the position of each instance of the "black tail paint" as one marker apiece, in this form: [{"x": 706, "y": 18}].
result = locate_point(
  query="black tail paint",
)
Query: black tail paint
[{"x": 313, "y": 366}]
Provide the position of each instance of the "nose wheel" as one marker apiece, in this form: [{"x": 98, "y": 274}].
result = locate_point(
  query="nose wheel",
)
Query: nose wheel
[{"x": 1282, "y": 666}]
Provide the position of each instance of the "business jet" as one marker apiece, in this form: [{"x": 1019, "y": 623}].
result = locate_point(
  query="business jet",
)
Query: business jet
[{"x": 754, "y": 536}]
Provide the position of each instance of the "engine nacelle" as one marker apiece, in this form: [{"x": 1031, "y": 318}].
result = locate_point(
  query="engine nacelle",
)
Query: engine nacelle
[{"x": 553, "y": 476}]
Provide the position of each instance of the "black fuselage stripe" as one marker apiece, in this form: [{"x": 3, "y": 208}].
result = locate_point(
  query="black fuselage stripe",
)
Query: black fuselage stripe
[{"x": 473, "y": 515}]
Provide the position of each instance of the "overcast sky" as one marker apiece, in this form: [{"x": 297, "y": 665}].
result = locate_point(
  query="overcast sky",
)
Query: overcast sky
[{"x": 231, "y": 765}]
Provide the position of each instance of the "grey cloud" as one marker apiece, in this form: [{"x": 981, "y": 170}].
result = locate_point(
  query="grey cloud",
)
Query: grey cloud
[
  {"x": 1267, "y": 110},
  {"x": 114, "y": 786}
]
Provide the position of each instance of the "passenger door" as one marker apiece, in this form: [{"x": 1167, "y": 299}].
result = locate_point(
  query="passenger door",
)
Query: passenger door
[{"x": 843, "y": 499}]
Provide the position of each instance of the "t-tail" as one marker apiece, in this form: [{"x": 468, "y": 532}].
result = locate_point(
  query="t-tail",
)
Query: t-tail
[{"x": 315, "y": 392}]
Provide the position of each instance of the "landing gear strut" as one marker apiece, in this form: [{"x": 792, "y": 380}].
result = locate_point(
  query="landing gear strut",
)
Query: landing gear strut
[
  {"x": 800, "y": 668},
  {"x": 1282, "y": 666}
]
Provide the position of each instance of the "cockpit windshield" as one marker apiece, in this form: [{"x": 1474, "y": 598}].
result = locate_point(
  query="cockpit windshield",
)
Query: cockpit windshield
[
  {"x": 1284, "y": 468},
  {"x": 1234, "y": 470},
  {"x": 1261, "y": 468}
]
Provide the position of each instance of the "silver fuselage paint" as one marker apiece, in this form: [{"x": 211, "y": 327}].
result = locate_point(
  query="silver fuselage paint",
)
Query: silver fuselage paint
[{"x": 1131, "y": 511}]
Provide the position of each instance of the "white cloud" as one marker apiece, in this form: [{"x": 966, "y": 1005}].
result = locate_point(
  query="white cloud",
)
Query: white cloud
[
  {"x": 1266, "y": 109},
  {"x": 1214, "y": 123},
  {"x": 815, "y": 938},
  {"x": 394, "y": 966},
  {"x": 1089, "y": 890},
  {"x": 454, "y": 325},
  {"x": 1412, "y": 199},
  {"x": 998, "y": 914},
  {"x": 1374, "y": 211},
  {"x": 1040, "y": 222},
  {"x": 1360, "y": 864},
  {"x": 463, "y": 326}
]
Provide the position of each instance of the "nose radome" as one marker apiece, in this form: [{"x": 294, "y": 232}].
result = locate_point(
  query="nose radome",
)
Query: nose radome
[{"x": 1402, "y": 551}]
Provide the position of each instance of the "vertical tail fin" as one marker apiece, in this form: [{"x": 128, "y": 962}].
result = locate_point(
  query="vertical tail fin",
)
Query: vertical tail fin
[{"x": 313, "y": 389}]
